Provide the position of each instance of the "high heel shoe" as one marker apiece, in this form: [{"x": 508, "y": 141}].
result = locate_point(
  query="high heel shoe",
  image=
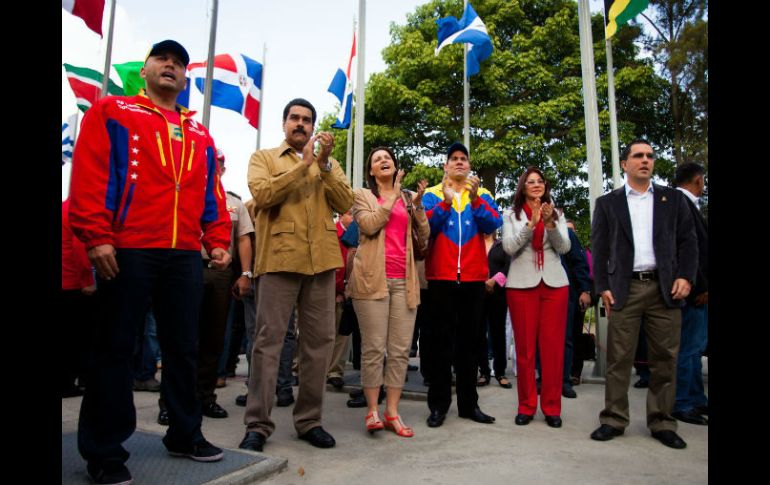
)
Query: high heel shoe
[
  {"x": 397, "y": 426},
  {"x": 373, "y": 422}
]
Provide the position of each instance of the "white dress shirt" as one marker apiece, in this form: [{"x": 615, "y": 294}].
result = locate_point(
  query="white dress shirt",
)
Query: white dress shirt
[
  {"x": 690, "y": 196},
  {"x": 640, "y": 210}
]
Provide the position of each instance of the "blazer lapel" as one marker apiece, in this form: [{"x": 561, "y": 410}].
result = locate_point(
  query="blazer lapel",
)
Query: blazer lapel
[
  {"x": 622, "y": 213},
  {"x": 659, "y": 205}
]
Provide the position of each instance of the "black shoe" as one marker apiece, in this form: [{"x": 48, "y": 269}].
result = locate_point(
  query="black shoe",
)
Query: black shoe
[
  {"x": 482, "y": 381},
  {"x": 163, "y": 417},
  {"x": 72, "y": 391},
  {"x": 702, "y": 409},
  {"x": 669, "y": 438},
  {"x": 358, "y": 401},
  {"x": 240, "y": 400},
  {"x": 253, "y": 441},
  {"x": 568, "y": 392},
  {"x": 553, "y": 421},
  {"x": 199, "y": 451},
  {"x": 413, "y": 353},
  {"x": 478, "y": 416},
  {"x": 436, "y": 419},
  {"x": 214, "y": 410},
  {"x": 113, "y": 474},
  {"x": 606, "y": 432},
  {"x": 285, "y": 400},
  {"x": 507, "y": 384},
  {"x": 523, "y": 419},
  {"x": 319, "y": 438},
  {"x": 690, "y": 416},
  {"x": 642, "y": 383},
  {"x": 336, "y": 382},
  {"x": 411, "y": 367}
]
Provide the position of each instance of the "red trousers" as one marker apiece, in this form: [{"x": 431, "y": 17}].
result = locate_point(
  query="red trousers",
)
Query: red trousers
[{"x": 539, "y": 317}]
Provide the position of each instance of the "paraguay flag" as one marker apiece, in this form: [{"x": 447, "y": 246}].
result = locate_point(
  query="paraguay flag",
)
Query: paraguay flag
[
  {"x": 236, "y": 85},
  {"x": 470, "y": 30},
  {"x": 342, "y": 88}
]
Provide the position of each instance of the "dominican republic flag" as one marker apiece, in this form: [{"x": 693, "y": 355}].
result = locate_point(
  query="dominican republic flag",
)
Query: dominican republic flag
[
  {"x": 236, "y": 85},
  {"x": 342, "y": 88},
  {"x": 91, "y": 11},
  {"x": 470, "y": 30},
  {"x": 68, "y": 138}
]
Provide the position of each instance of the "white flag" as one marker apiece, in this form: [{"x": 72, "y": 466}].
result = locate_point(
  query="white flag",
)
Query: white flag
[{"x": 68, "y": 138}]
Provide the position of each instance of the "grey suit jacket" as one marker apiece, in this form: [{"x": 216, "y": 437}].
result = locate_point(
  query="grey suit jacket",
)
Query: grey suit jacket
[
  {"x": 612, "y": 243},
  {"x": 517, "y": 241}
]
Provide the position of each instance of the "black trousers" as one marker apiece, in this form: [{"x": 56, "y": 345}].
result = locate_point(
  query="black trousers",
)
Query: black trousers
[
  {"x": 493, "y": 331},
  {"x": 455, "y": 328},
  {"x": 76, "y": 334},
  {"x": 174, "y": 281}
]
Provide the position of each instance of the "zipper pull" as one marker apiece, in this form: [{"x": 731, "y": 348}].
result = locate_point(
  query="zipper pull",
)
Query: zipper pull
[{"x": 177, "y": 187}]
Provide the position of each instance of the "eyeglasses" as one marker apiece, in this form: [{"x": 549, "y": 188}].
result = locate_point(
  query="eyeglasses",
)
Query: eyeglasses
[
  {"x": 641, "y": 155},
  {"x": 534, "y": 182}
]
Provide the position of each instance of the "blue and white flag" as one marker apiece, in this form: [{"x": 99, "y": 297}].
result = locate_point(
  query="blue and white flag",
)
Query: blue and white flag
[
  {"x": 236, "y": 85},
  {"x": 469, "y": 30},
  {"x": 342, "y": 88},
  {"x": 68, "y": 138}
]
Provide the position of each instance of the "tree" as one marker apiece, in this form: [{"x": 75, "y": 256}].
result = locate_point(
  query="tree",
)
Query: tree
[
  {"x": 680, "y": 48},
  {"x": 526, "y": 104}
]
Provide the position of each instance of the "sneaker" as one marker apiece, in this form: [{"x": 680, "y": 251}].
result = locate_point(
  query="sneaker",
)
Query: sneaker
[
  {"x": 113, "y": 474},
  {"x": 200, "y": 451},
  {"x": 151, "y": 385},
  {"x": 163, "y": 417}
]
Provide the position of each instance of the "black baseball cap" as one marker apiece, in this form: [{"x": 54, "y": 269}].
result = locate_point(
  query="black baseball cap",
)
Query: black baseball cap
[
  {"x": 169, "y": 46},
  {"x": 456, "y": 146}
]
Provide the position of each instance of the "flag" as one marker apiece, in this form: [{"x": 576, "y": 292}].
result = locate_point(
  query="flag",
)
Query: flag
[
  {"x": 618, "y": 12},
  {"x": 236, "y": 84},
  {"x": 342, "y": 88},
  {"x": 68, "y": 138},
  {"x": 133, "y": 81},
  {"x": 86, "y": 84},
  {"x": 91, "y": 11},
  {"x": 470, "y": 30}
]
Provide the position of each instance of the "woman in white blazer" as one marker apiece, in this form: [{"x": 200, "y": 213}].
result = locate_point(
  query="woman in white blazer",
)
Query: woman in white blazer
[{"x": 537, "y": 288}]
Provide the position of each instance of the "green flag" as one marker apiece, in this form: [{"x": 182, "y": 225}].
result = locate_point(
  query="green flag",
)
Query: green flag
[
  {"x": 618, "y": 12},
  {"x": 87, "y": 85},
  {"x": 129, "y": 74}
]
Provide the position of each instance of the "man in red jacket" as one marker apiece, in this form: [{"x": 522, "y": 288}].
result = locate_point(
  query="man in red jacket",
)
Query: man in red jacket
[{"x": 145, "y": 193}]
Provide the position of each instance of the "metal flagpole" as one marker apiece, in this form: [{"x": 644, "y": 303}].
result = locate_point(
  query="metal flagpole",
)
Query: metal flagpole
[
  {"x": 592, "y": 149},
  {"x": 261, "y": 94},
  {"x": 210, "y": 65},
  {"x": 358, "y": 148},
  {"x": 613, "y": 118},
  {"x": 466, "y": 94},
  {"x": 349, "y": 147},
  {"x": 108, "y": 57}
]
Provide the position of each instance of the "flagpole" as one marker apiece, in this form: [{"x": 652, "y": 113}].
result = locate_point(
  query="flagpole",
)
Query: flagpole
[
  {"x": 261, "y": 94},
  {"x": 466, "y": 94},
  {"x": 358, "y": 153},
  {"x": 349, "y": 141},
  {"x": 616, "y": 180},
  {"x": 210, "y": 65},
  {"x": 595, "y": 186},
  {"x": 107, "y": 59}
]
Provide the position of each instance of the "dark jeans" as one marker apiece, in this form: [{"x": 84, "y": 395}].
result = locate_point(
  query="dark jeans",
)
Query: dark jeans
[
  {"x": 422, "y": 321},
  {"x": 569, "y": 343},
  {"x": 147, "y": 350},
  {"x": 578, "y": 356},
  {"x": 689, "y": 370},
  {"x": 455, "y": 327},
  {"x": 77, "y": 328},
  {"x": 214, "y": 309},
  {"x": 174, "y": 281},
  {"x": 493, "y": 324}
]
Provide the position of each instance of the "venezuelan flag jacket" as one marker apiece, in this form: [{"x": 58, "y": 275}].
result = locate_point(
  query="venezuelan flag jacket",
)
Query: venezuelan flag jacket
[
  {"x": 457, "y": 234},
  {"x": 128, "y": 190}
]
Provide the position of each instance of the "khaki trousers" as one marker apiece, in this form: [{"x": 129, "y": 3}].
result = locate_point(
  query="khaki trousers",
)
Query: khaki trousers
[
  {"x": 277, "y": 294},
  {"x": 386, "y": 326},
  {"x": 662, "y": 326}
]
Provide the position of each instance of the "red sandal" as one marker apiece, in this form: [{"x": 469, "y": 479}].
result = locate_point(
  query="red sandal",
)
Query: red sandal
[
  {"x": 397, "y": 426},
  {"x": 373, "y": 422}
]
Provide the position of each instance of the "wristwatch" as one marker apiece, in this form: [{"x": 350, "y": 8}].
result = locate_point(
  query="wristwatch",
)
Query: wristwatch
[
  {"x": 247, "y": 274},
  {"x": 327, "y": 168}
]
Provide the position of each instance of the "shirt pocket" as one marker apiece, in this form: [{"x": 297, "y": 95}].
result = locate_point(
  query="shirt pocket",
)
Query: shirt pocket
[{"x": 282, "y": 236}]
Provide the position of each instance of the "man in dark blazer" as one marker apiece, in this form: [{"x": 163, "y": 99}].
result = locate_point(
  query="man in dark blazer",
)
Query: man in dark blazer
[
  {"x": 645, "y": 256},
  {"x": 691, "y": 401}
]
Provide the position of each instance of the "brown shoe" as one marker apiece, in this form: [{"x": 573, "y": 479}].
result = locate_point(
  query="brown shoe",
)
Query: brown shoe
[{"x": 221, "y": 382}]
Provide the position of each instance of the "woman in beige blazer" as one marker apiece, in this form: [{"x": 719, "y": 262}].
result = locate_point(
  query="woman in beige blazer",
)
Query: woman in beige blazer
[
  {"x": 383, "y": 283},
  {"x": 537, "y": 288}
]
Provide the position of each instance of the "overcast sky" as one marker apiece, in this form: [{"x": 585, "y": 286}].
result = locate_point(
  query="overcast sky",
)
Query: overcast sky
[{"x": 307, "y": 40}]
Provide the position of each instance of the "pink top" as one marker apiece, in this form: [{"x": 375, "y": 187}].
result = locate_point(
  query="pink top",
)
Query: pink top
[
  {"x": 395, "y": 240},
  {"x": 590, "y": 264}
]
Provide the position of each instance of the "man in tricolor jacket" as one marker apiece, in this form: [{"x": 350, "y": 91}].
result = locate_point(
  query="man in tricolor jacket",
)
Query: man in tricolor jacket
[
  {"x": 460, "y": 213},
  {"x": 145, "y": 194}
]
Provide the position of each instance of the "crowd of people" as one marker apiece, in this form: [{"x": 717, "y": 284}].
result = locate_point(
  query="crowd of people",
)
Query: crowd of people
[{"x": 153, "y": 248}]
